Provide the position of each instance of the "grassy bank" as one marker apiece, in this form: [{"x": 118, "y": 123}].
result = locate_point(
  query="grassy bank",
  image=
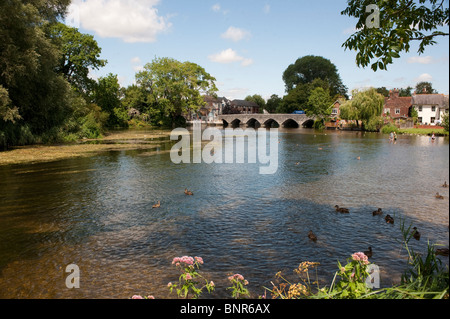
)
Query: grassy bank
[
  {"x": 424, "y": 131},
  {"x": 116, "y": 141}
]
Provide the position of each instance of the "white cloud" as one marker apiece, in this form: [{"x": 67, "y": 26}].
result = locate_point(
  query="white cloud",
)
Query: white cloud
[
  {"x": 424, "y": 78},
  {"x": 236, "y": 34},
  {"x": 229, "y": 56},
  {"x": 216, "y": 7},
  {"x": 421, "y": 59},
  {"x": 136, "y": 60},
  {"x": 131, "y": 20}
]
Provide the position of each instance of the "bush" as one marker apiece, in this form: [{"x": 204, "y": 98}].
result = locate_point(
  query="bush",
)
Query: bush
[
  {"x": 374, "y": 124},
  {"x": 387, "y": 129}
]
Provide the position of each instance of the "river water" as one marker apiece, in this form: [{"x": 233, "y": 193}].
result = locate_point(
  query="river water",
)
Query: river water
[{"x": 97, "y": 213}]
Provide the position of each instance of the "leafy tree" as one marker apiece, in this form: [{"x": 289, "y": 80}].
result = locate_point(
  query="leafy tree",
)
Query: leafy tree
[
  {"x": 175, "y": 88},
  {"x": 383, "y": 91},
  {"x": 402, "y": 22},
  {"x": 258, "y": 99},
  {"x": 364, "y": 106},
  {"x": 273, "y": 103},
  {"x": 405, "y": 92},
  {"x": 107, "y": 96},
  {"x": 445, "y": 122},
  {"x": 425, "y": 88},
  {"x": 298, "y": 98},
  {"x": 80, "y": 53},
  {"x": 27, "y": 64},
  {"x": 306, "y": 69},
  {"x": 319, "y": 103}
]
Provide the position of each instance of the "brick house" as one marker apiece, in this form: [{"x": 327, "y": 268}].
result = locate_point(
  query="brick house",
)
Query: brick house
[
  {"x": 245, "y": 107},
  {"x": 397, "y": 107}
]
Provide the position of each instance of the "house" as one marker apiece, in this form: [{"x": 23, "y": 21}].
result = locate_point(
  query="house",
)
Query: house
[
  {"x": 397, "y": 107},
  {"x": 430, "y": 107},
  {"x": 213, "y": 108},
  {"x": 336, "y": 108},
  {"x": 245, "y": 107}
]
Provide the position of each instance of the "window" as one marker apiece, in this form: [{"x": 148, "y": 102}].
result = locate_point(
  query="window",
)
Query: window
[
  {"x": 420, "y": 120},
  {"x": 397, "y": 111},
  {"x": 433, "y": 109},
  {"x": 433, "y": 120},
  {"x": 386, "y": 111},
  {"x": 420, "y": 108},
  {"x": 335, "y": 111}
]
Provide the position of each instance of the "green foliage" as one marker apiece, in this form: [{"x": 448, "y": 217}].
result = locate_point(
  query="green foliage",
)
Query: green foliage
[
  {"x": 405, "y": 92},
  {"x": 305, "y": 70},
  {"x": 387, "y": 129},
  {"x": 258, "y": 99},
  {"x": 401, "y": 22},
  {"x": 238, "y": 283},
  {"x": 191, "y": 282},
  {"x": 79, "y": 54},
  {"x": 425, "y": 88},
  {"x": 445, "y": 122},
  {"x": 273, "y": 103},
  {"x": 364, "y": 106},
  {"x": 319, "y": 103},
  {"x": 174, "y": 88},
  {"x": 374, "y": 124}
]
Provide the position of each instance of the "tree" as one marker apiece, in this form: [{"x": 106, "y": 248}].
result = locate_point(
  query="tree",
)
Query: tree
[
  {"x": 405, "y": 92},
  {"x": 107, "y": 95},
  {"x": 383, "y": 91},
  {"x": 298, "y": 98},
  {"x": 273, "y": 103},
  {"x": 79, "y": 54},
  {"x": 319, "y": 103},
  {"x": 27, "y": 65},
  {"x": 258, "y": 99},
  {"x": 401, "y": 22},
  {"x": 425, "y": 88},
  {"x": 175, "y": 88},
  {"x": 364, "y": 106},
  {"x": 445, "y": 122},
  {"x": 306, "y": 69}
]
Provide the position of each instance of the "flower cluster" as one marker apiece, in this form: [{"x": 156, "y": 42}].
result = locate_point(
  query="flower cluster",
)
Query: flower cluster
[
  {"x": 140, "y": 297},
  {"x": 360, "y": 257},
  {"x": 238, "y": 277},
  {"x": 238, "y": 286}
]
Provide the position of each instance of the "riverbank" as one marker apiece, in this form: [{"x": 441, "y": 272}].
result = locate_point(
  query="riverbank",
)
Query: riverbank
[
  {"x": 424, "y": 131},
  {"x": 113, "y": 141}
]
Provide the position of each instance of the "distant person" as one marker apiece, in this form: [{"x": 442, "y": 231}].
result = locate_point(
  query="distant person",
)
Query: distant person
[
  {"x": 433, "y": 137},
  {"x": 391, "y": 137},
  {"x": 395, "y": 137}
]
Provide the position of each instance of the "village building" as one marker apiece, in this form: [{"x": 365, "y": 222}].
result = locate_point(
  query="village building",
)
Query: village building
[
  {"x": 430, "y": 107},
  {"x": 214, "y": 107},
  {"x": 245, "y": 107},
  {"x": 397, "y": 107}
]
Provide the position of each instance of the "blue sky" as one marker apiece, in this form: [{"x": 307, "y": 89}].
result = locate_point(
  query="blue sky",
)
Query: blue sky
[{"x": 246, "y": 45}]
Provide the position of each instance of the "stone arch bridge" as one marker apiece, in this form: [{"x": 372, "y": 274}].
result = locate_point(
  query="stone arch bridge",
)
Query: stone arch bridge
[{"x": 267, "y": 120}]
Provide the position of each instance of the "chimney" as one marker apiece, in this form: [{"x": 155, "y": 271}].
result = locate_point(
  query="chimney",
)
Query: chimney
[{"x": 394, "y": 93}]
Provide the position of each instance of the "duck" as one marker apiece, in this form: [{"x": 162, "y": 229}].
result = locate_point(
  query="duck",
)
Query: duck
[
  {"x": 416, "y": 233},
  {"x": 342, "y": 210},
  {"x": 158, "y": 205},
  {"x": 442, "y": 252},
  {"x": 389, "y": 219},
  {"x": 369, "y": 253},
  {"x": 312, "y": 236},
  {"x": 445, "y": 185},
  {"x": 188, "y": 192},
  {"x": 377, "y": 212},
  {"x": 358, "y": 158},
  {"x": 438, "y": 196}
]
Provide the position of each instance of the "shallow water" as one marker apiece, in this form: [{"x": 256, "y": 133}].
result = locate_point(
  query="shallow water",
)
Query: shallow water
[{"x": 97, "y": 213}]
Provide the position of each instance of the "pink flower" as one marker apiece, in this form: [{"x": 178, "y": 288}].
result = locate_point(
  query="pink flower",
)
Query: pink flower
[
  {"x": 150, "y": 297},
  {"x": 188, "y": 276},
  {"x": 212, "y": 284},
  {"x": 199, "y": 260},
  {"x": 169, "y": 285},
  {"x": 236, "y": 277},
  {"x": 137, "y": 297},
  {"x": 360, "y": 257}
]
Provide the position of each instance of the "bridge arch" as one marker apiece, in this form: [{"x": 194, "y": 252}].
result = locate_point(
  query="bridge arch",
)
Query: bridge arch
[
  {"x": 271, "y": 123},
  {"x": 254, "y": 123},
  {"x": 225, "y": 123},
  {"x": 290, "y": 123},
  {"x": 308, "y": 124},
  {"x": 236, "y": 123}
]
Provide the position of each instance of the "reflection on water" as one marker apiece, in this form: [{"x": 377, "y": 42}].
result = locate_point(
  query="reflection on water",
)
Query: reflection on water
[{"x": 97, "y": 213}]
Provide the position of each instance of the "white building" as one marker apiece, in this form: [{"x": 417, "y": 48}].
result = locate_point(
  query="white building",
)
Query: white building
[{"x": 430, "y": 107}]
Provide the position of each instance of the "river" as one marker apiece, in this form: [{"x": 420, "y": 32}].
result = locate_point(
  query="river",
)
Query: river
[{"x": 96, "y": 212}]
